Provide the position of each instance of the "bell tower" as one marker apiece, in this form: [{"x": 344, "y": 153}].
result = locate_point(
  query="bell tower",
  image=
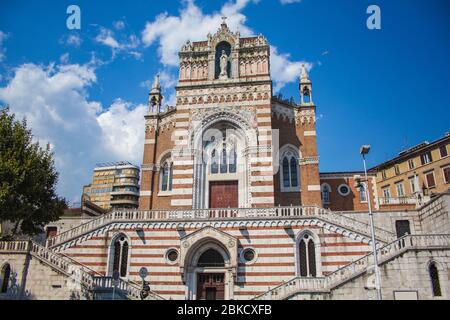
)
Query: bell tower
[
  {"x": 306, "y": 130},
  {"x": 155, "y": 97}
]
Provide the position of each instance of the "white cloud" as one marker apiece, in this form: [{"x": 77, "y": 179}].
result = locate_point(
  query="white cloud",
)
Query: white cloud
[
  {"x": 123, "y": 129},
  {"x": 55, "y": 102},
  {"x": 119, "y": 25},
  {"x": 171, "y": 32},
  {"x": 72, "y": 40},
  {"x": 289, "y": 1},
  {"x": 284, "y": 70},
  {"x": 64, "y": 58},
  {"x": 128, "y": 44}
]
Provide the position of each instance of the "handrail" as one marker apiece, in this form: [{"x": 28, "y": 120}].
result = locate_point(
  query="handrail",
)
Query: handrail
[
  {"x": 80, "y": 273},
  {"x": 217, "y": 214},
  {"x": 343, "y": 274}
]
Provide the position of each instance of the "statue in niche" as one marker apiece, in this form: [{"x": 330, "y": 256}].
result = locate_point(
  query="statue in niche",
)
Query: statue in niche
[{"x": 223, "y": 66}]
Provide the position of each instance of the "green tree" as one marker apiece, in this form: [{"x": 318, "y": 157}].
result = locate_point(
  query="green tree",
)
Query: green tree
[{"x": 27, "y": 179}]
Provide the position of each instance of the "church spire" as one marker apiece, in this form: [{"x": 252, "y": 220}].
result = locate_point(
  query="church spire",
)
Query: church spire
[
  {"x": 305, "y": 87},
  {"x": 155, "y": 96}
]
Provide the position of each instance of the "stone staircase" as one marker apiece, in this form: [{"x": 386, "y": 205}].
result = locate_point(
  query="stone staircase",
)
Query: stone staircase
[
  {"x": 347, "y": 273},
  {"x": 136, "y": 218},
  {"x": 78, "y": 273}
]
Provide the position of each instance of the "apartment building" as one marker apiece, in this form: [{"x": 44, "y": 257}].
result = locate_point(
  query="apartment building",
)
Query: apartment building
[
  {"x": 115, "y": 185},
  {"x": 415, "y": 175}
]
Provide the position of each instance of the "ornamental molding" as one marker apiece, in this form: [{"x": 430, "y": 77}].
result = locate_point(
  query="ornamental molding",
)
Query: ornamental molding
[
  {"x": 305, "y": 116},
  {"x": 308, "y": 160},
  {"x": 283, "y": 113}
]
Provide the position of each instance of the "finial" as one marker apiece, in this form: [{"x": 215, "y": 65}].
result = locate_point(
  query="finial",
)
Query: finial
[
  {"x": 304, "y": 73},
  {"x": 223, "y": 21},
  {"x": 156, "y": 84}
]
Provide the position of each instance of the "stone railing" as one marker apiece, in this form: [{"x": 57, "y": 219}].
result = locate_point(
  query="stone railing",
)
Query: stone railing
[
  {"x": 79, "y": 273},
  {"x": 132, "y": 290},
  {"x": 397, "y": 200},
  {"x": 14, "y": 246},
  {"x": 219, "y": 214},
  {"x": 350, "y": 271}
]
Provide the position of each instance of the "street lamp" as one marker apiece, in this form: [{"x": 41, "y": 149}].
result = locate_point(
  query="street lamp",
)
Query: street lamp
[{"x": 364, "y": 151}]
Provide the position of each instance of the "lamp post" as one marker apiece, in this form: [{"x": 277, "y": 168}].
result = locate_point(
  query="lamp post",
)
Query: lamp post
[{"x": 364, "y": 151}]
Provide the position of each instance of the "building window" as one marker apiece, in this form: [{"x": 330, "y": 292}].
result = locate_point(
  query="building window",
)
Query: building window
[
  {"x": 326, "y": 189},
  {"x": 120, "y": 256},
  {"x": 446, "y": 174},
  {"x": 434, "y": 277},
  {"x": 429, "y": 177},
  {"x": 211, "y": 258},
  {"x": 383, "y": 174},
  {"x": 386, "y": 192},
  {"x": 172, "y": 255},
  {"x": 411, "y": 164},
  {"x": 443, "y": 151},
  {"x": 400, "y": 190},
  {"x": 5, "y": 275},
  {"x": 248, "y": 255},
  {"x": 397, "y": 169},
  {"x": 344, "y": 190},
  {"x": 290, "y": 175},
  {"x": 426, "y": 158},
  {"x": 307, "y": 256},
  {"x": 362, "y": 193},
  {"x": 166, "y": 176},
  {"x": 412, "y": 183},
  {"x": 402, "y": 228}
]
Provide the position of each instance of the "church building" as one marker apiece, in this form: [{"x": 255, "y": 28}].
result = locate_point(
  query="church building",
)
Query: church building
[{"x": 232, "y": 205}]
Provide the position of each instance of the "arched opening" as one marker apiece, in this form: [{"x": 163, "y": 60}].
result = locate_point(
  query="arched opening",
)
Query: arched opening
[
  {"x": 119, "y": 254},
  {"x": 326, "y": 189},
  {"x": 307, "y": 253},
  {"x": 290, "y": 173},
  {"x": 222, "y": 46},
  {"x": 211, "y": 258},
  {"x": 166, "y": 175},
  {"x": 5, "y": 275},
  {"x": 434, "y": 277}
]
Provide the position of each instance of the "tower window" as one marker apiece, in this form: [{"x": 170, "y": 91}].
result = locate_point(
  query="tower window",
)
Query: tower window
[
  {"x": 290, "y": 176},
  {"x": 166, "y": 176},
  {"x": 326, "y": 193}
]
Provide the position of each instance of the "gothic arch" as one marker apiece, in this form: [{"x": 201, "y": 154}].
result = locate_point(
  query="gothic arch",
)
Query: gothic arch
[
  {"x": 317, "y": 251},
  {"x": 119, "y": 254}
]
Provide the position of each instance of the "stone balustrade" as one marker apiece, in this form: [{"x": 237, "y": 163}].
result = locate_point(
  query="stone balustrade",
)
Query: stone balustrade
[
  {"x": 81, "y": 274},
  {"x": 220, "y": 214},
  {"x": 387, "y": 252}
]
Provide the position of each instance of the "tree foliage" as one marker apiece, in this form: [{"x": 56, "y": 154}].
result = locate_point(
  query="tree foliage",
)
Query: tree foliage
[{"x": 28, "y": 179}]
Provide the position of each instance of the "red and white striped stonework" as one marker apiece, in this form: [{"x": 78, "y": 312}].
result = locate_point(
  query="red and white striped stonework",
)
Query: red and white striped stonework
[{"x": 276, "y": 249}]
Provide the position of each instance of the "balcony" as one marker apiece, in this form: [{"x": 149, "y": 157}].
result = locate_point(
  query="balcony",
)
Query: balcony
[
  {"x": 125, "y": 193},
  {"x": 397, "y": 200}
]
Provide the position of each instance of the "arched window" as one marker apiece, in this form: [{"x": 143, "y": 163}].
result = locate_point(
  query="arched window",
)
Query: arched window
[
  {"x": 211, "y": 258},
  {"x": 166, "y": 176},
  {"x": 5, "y": 275},
  {"x": 434, "y": 276},
  {"x": 120, "y": 255},
  {"x": 227, "y": 48},
  {"x": 290, "y": 173},
  {"x": 326, "y": 193},
  {"x": 362, "y": 193},
  {"x": 307, "y": 256}
]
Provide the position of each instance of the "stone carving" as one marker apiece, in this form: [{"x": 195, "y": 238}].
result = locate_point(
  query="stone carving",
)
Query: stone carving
[{"x": 223, "y": 66}]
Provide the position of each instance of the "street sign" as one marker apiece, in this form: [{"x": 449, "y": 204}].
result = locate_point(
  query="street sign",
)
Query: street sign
[{"x": 143, "y": 272}]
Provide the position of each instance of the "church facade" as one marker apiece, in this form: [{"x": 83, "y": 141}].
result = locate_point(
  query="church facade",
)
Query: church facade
[{"x": 232, "y": 205}]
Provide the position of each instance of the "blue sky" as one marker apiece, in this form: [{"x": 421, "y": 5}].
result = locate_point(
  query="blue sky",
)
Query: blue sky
[{"x": 84, "y": 91}]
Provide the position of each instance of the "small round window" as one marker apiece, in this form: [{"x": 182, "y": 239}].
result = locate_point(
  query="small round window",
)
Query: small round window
[
  {"x": 248, "y": 255},
  {"x": 172, "y": 255},
  {"x": 343, "y": 190}
]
